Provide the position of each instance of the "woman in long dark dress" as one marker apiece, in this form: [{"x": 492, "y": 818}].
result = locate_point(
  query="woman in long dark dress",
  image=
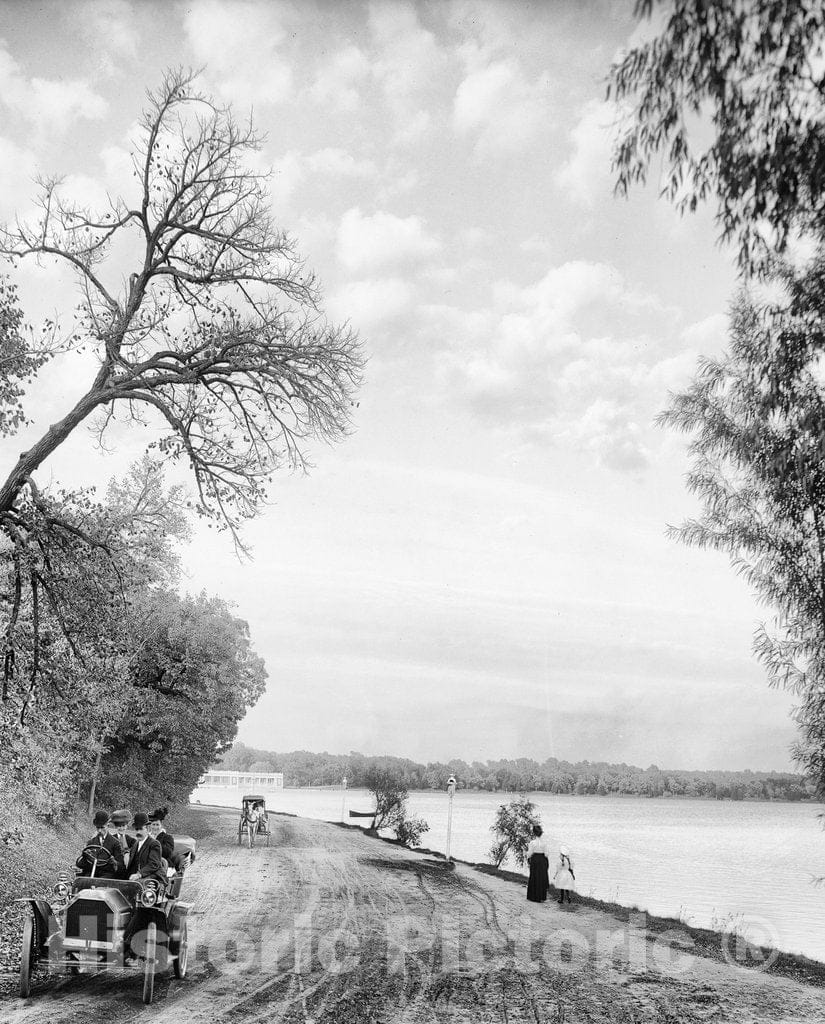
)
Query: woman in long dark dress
[{"x": 538, "y": 883}]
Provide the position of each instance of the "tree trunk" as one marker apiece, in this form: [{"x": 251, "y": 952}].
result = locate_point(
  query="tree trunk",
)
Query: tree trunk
[
  {"x": 29, "y": 461},
  {"x": 95, "y": 773}
]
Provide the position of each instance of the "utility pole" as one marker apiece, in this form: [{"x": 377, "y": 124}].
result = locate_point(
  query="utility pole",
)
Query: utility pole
[{"x": 450, "y": 794}]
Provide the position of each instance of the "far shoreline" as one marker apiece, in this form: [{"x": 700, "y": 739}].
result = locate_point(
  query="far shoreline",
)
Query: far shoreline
[{"x": 807, "y": 800}]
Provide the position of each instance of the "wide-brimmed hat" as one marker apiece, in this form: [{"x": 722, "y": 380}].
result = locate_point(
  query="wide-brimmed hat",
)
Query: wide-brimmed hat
[
  {"x": 141, "y": 820},
  {"x": 101, "y": 819},
  {"x": 158, "y": 814},
  {"x": 120, "y": 817}
]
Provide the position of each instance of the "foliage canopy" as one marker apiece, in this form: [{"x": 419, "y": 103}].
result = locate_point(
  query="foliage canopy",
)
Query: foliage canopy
[
  {"x": 756, "y": 417},
  {"x": 755, "y": 72}
]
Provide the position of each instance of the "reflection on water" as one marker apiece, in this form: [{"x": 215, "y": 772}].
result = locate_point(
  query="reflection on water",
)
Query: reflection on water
[{"x": 710, "y": 862}]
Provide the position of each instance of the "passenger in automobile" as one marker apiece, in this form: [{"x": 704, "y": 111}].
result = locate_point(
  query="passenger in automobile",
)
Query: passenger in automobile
[
  {"x": 99, "y": 864},
  {"x": 145, "y": 857},
  {"x": 117, "y": 825},
  {"x": 145, "y": 862},
  {"x": 166, "y": 839}
]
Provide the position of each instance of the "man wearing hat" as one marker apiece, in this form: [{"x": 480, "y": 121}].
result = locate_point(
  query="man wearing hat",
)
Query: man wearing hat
[
  {"x": 144, "y": 856},
  {"x": 101, "y": 866},
  {"x": 117, "y": 827},
  {"x": 144, "y": 862}
]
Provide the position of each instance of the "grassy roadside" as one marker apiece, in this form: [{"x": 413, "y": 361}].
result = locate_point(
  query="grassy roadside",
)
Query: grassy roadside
[
  {"x": 703, "y": 942},
  {"x": 30, "y": 868}
]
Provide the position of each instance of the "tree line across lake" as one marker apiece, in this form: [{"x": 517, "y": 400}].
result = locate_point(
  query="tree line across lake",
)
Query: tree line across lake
[{"x": 303, "y": 768}]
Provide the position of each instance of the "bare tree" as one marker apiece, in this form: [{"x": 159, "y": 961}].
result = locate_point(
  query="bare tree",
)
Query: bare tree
[
  {"x": 216, "y": 334},
  {"x": 217, "y": 330}
]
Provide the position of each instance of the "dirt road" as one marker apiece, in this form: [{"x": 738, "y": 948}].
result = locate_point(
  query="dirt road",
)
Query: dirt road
[{"x": 331, "y": 925}]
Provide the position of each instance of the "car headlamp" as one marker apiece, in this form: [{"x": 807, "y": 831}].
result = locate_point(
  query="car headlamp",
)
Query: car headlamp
[
  {"x": 149, "y": 896},
  {"x": 61, "y": 890}
]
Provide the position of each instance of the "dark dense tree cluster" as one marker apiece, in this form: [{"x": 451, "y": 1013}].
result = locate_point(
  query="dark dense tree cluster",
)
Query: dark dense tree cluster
[
  {"x": 302, "y": 768},
  {"x": 119, "y": 688}
]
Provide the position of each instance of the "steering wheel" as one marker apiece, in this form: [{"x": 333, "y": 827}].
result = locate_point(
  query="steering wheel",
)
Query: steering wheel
[{"x": 99, "y": 856}]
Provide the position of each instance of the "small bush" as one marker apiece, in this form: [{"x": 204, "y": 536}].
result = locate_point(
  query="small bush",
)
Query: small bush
[
  {"x": 391, "y": 806},
  {"x": 513, "y": 830},
  {"x": 410, "y": 830},
  {"x": 390, "y": 796}
]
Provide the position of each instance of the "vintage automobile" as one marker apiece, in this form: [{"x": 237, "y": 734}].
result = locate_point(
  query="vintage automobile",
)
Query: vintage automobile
[
  {"x": 251, "y": 825},
  {"x": 80, "y": 928}
]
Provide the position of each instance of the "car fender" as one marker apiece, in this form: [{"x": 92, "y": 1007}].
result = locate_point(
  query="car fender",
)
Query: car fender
[
  {"x": 157, "y": 915},
  {"x": 176, "y": 916},
  {"x": 44, "y": 920}
]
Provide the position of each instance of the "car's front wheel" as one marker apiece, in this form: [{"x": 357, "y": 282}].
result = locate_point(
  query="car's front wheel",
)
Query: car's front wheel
[
  {"x": 27, "y": 957},
  {"x": 149, "y": 970},
  {"x": 179, "y": 963}
]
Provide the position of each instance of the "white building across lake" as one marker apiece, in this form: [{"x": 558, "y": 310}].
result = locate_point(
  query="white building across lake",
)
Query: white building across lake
[{"x": 242, "y": 780}]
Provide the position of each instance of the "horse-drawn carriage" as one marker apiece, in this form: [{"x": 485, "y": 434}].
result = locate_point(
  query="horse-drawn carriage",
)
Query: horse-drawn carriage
[
  {"x": 80, "y": 929},
  {"x": 254, "y": 820}
]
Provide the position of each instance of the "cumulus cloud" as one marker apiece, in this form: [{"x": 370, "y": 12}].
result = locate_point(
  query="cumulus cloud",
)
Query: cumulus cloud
[
  {"x": 498, "y": 105},
  {"x": 340, "y": 163},
  {"x": 400, "y": 61},
  {"x": 367, "y": 243},
  {"x": 48, "y": 104},
  {"x": 369, "y": 302},
  {"x": 18, "y": 169},
  {"x": 567, "y": 360},
  {"x": 407, "y": 59},
  {"x": 287, "y": 172},
  {"x": 239, "y": 43},
  {"x": 707, "y": 335},
  {"x": 111, "y": 28},
  {"x": 586, "y": 176},
  {"x": 339, "y": 80},
  {"x": 397, "y": 181}
]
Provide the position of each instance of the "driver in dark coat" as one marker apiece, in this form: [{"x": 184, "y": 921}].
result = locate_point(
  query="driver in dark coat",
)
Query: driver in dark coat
[{"x": 98, "y": 864}]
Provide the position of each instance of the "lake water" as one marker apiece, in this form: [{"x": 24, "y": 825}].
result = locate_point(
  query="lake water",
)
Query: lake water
[{"x": 713, "y": 863}]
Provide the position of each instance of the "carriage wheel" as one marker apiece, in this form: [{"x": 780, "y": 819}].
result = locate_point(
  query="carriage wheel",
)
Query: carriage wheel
[
  {"x": 179, "y": 963},
  {"x": 240, "y": 834},
  {"x": 267, "y": 838},
  {"x": 250, "y": 836},
  {"x": 27, "y": 957},
  {"x": 149, "y": 970}
]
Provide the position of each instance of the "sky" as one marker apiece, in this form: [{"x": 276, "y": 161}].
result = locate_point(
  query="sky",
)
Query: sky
[{"x": 481, "y": 569}]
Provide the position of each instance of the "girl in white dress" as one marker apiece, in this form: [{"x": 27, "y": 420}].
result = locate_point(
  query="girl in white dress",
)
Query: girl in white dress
[{"x": 564, "y": 879}]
